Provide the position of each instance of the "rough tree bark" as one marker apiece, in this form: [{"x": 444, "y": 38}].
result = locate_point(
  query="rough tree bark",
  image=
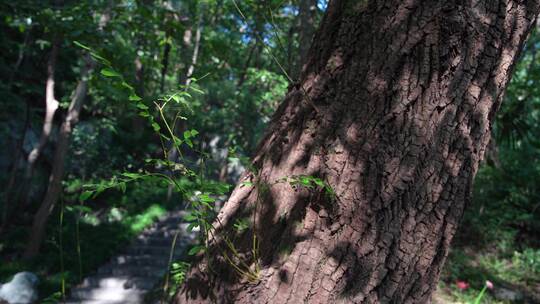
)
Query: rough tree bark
[{"x": 402, "y": 95}]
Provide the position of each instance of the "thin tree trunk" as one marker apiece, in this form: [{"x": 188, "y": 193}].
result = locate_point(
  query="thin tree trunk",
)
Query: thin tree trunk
[
  {"x": 37, "y": 232},
  {"x": 55, "y": 180},
  {"x": 247, "y": 63},
  {"x": 165, "y": 63},
  {"x": 173, "y": 153},
  {"x": 167, "y": 47},
  {"x": 195, "y": 54},
  {"x": 137, "y": 122},
  {"x": 401, "y": 97},
  {"x": 51, "y": 105}
]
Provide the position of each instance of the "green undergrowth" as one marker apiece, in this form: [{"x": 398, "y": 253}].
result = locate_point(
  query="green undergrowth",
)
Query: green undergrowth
[
  {"x": 498, "y": 239},
  {"x": 83, "y": 237},
  {"x": 517, "y": 272}
]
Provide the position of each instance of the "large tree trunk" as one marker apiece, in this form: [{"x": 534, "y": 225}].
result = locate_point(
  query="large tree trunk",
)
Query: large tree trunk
[{"x": 401, "y": 97}]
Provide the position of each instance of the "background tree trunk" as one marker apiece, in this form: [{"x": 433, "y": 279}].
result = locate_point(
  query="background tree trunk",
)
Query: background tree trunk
[
  {"x": 51, "y": 105},
  {"x": 54, "y": 188},
  {"x": 400, "y": 99},
  {"x": 173, "y": 152},
  {"x": 55, "y": 180}
]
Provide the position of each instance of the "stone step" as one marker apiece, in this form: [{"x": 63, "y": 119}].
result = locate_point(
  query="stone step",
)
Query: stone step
[
  {"x": 171, "y": 220},
  {"x": 121, "y": 282},
  {"x": 141, "y": 260},
  {"x": 173, "y": 214},
  {"x": 152, "y": 250},
  {"x": 154, "y": 241},
  {"x": 177, "y": 226},
  {"x": 108, "y": 294},
  {"x": 139, "y": 268},
  {"x": 181, "y": 243},
  {"x": 101, "y": 302},
  {"x": 165, "y": 232},
  {"x": 130, "y": 270}
]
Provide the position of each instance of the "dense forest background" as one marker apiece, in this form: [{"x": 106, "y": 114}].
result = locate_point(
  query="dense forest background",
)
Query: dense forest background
[{"x": 82, "y": 83}]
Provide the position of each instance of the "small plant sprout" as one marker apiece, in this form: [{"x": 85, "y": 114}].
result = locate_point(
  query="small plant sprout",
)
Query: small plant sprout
[{"x": 488, "y": 285}]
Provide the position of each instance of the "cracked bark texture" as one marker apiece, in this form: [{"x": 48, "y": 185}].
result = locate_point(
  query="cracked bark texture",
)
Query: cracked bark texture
[{"x": 401, "y": 99}]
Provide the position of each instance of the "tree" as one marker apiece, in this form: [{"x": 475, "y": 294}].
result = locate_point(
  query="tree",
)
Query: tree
[
  {"x": 51, "y": 105},
  {"x": 391, "y": 116},
  {"x": 54, "y": 188}
]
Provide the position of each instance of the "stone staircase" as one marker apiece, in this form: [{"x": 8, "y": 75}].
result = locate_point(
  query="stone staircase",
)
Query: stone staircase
[{"x": 128, "y": 276}]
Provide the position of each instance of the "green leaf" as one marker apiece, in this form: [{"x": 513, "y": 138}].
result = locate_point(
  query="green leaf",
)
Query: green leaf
[
  {"x": 77, "y": 43},
  {"x": 191, "y": 226},
  {"x": 195, "y": 250},
  {"x": 100, "y": 59},
  {"x": 109, "y": 73},
  {"x": 184, "y": 93},
  {"x": 127, "y": 86},
  {"x": 176, "y": 98},
  {"x": 190, "y": 217},
  {"x": 189, "y": 142},
  {"x": 122, "y": 187},
  {"x": 131, "y": 175},
  {"x": 156, "y": 126},
  {"x": 142, "y": 106},
  {"x": 80, "y": 208},
  {"x": 194, "y": 132},
  {"x": 306, "y": 181},
  {"x": 206, "y": 199},
  {"x": 196, "y": 89},
  {"x": 177, "y": 141},
  {"x": 85, "y": 195},
  {"x": 134, "y": 97},
  {"x": 318, "y": 182}
]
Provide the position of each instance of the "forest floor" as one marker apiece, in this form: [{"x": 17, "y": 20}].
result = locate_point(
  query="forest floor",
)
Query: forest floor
[
  {"x": 507, "y": 256},
  {"x": 514, "y": 272}
]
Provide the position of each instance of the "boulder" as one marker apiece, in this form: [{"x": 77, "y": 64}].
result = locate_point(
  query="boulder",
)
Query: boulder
[{"x": 21, "y": 289}]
